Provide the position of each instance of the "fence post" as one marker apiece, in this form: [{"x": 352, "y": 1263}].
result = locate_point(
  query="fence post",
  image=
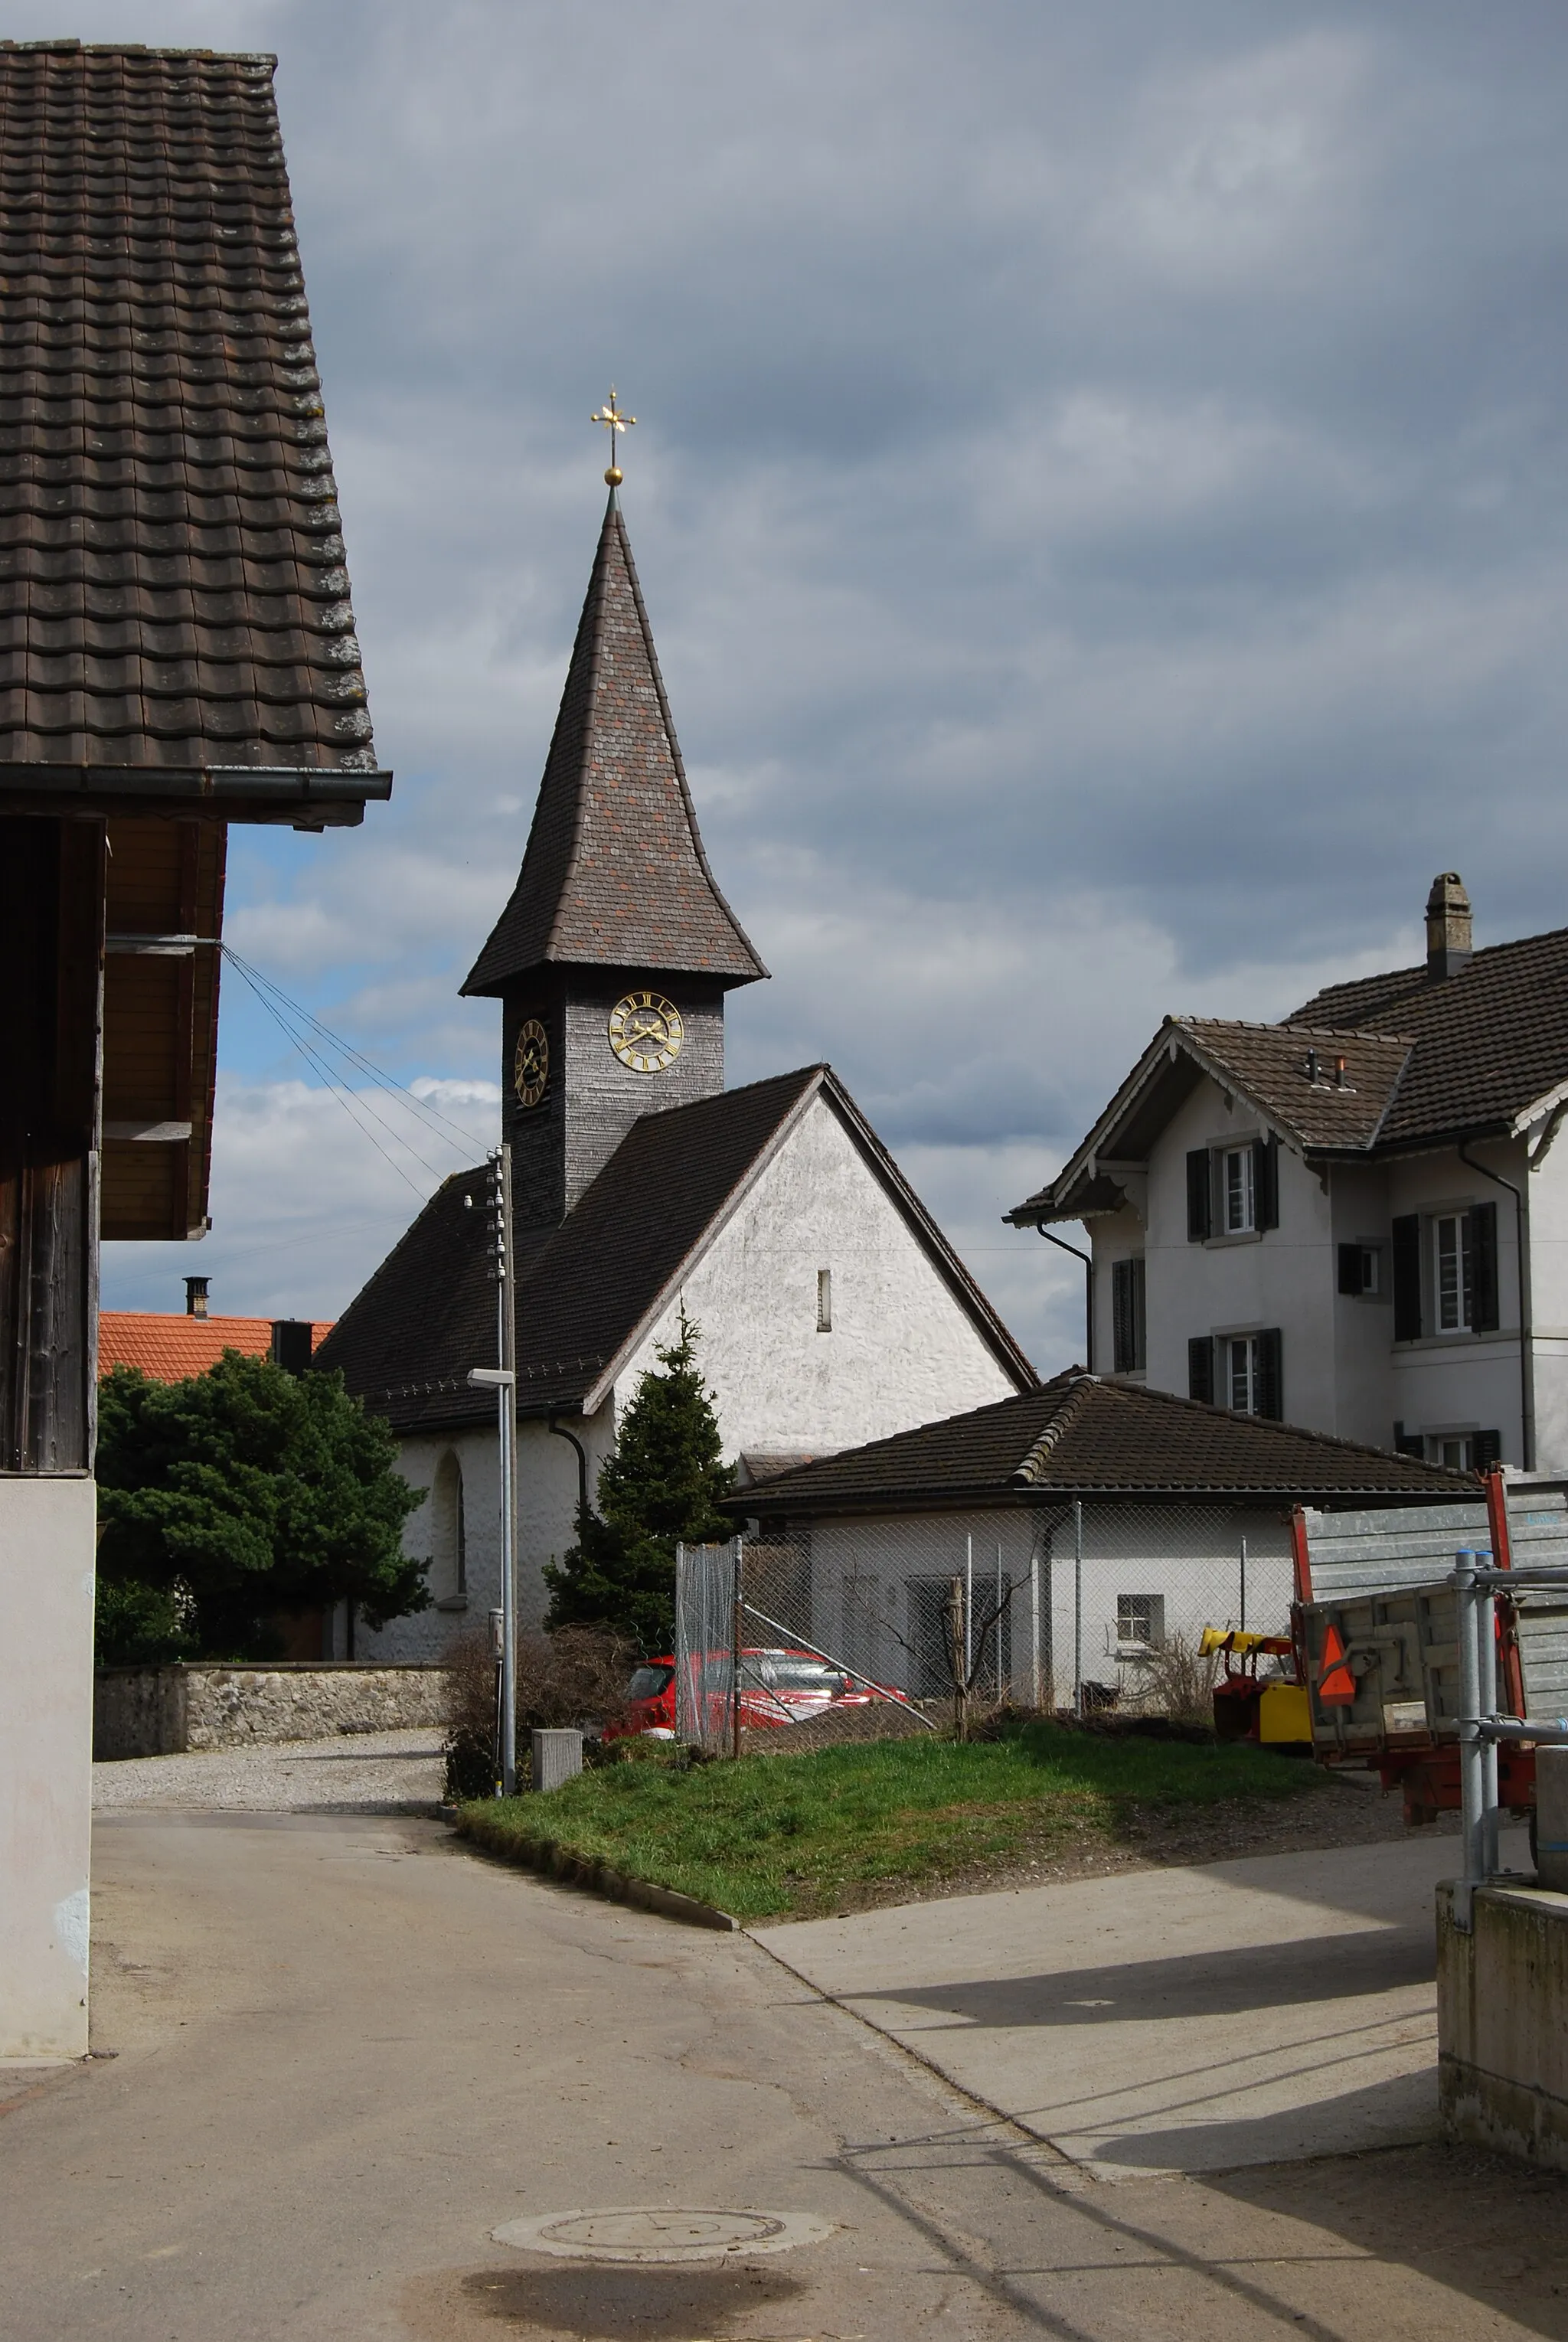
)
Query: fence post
[
  {"x": 1242, "y": 1621},
  {"x": 968, "y": 1610},
  {"x": 1078, "y": 1608},
  {"x": 1472, "y": 1762},
  {"x": 736, "y": 1550},
  {"x": 1035, "y": 1687}
]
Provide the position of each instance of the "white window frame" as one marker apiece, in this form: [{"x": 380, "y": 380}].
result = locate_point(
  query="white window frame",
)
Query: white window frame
[
  {"x": 1247, "y": 1344},
  {"x": 1452, "y": 1279},
  {"x": 1243, "y": 1197},
  {"x": 824, "y": 1301},
  {"x": 1139, "y": 1622}
]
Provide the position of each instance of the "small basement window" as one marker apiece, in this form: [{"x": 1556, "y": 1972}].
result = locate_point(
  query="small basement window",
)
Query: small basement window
[
  {"x": 1141, "y": 1620},
  {"x": 824, "y": 1301}
]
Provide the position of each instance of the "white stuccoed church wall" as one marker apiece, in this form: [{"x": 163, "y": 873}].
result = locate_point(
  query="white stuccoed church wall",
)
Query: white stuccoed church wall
[
  {"x": 47, "y": 1543},
  {"x": 902, "y": 1352}
]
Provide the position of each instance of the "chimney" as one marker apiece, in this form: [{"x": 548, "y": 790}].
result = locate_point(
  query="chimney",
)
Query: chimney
[
  {"x": 196, "y": 1295},
  {"x": 1447, "y": 927}
]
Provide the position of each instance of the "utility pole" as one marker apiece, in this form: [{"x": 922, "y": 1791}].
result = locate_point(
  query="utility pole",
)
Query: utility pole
[{"x": 502, "y": 1379}]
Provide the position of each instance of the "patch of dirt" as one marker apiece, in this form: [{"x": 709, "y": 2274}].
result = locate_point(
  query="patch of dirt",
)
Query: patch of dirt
[{"x": 1330, "y": 1813}]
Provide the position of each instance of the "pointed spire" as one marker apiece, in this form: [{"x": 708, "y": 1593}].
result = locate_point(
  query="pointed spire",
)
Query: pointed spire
[{"x": 614, "y": 874}]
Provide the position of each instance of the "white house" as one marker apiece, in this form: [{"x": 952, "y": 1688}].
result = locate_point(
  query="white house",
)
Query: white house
[
  {"x": 1355, "y": 1219},
  {"x": 832, "y": 1309}
]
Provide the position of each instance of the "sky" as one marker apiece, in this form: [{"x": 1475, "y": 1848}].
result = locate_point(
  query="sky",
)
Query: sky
[{"x": 1099, "y": 494}]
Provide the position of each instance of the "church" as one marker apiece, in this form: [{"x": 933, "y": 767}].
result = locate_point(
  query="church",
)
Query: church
[{"x": 832, "y": 1309}]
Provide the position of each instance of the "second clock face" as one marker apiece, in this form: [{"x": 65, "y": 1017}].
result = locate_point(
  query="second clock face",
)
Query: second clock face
[
  {"x": 646, "y": 1032},
  {"x": 530, "y": 1063}
]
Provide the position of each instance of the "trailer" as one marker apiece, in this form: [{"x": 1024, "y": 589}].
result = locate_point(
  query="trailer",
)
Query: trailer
[{"x": 1376, "y": 1635}]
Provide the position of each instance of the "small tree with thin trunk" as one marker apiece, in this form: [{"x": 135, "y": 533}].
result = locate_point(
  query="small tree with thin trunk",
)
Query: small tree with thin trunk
[{"x": 660, "y": 1487}]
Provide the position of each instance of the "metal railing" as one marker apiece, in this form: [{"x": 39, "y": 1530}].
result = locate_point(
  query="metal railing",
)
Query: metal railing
[{"x": 1482, "y": 1726}]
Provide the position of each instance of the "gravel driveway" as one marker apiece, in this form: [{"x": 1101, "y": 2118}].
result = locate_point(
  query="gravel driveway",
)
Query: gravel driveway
[{"x": 352, "y": 1773}]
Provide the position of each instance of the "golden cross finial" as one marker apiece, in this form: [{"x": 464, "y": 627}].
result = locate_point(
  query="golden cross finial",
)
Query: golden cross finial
[{"x": 610, "y": 417}]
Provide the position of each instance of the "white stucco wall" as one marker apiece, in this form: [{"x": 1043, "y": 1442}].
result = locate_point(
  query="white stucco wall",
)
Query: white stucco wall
[
  {"x": 48, "y": 1542},
  {"x": 1548, "y": 1190},
  {"x": 1240, "y": 1284},
  {"x": 903, "y": 1351},
  {"x": 1466, "y": 1381}
]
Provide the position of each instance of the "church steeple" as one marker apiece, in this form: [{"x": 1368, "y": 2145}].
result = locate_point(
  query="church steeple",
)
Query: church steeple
[
  {"x": 614, "y": 874},
  {"x": 613, "y": 954}
]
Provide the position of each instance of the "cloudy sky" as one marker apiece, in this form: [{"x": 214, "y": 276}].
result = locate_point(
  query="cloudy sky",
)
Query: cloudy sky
[{"x": 1099, "y": 493}]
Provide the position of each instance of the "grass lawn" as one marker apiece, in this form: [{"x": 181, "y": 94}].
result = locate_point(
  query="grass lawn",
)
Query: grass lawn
[{"x": 767, "y": 1837}]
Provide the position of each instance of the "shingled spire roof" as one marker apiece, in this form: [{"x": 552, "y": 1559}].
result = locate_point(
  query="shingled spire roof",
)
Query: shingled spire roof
[{"x": 614, "y": 874}]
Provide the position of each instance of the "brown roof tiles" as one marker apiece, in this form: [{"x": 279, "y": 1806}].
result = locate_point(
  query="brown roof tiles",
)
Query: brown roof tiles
[
  {"x": 614, "y": 874},
  {"x": 173, "y": 592}
]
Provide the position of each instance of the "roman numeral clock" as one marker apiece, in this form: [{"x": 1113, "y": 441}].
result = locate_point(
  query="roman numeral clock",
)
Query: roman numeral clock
[{"x": 646, "y": 1032}]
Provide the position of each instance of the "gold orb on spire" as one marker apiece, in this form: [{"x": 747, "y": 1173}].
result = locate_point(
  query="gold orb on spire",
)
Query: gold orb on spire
[{"x": 610, "y": 417}]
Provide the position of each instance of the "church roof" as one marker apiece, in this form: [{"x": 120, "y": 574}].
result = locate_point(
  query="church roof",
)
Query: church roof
[
  {"x": 614, "y": 874},
  {"x": 1078, "y": 1436},
  {"x": 586, "y": 1296},
  {"x": 175, "y": 619}
]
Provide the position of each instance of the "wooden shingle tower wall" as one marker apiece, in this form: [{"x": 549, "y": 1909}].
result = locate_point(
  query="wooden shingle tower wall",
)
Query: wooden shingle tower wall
[{"x": 614, "y": 900}]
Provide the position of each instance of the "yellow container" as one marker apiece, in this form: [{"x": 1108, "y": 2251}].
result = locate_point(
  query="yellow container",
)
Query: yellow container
[{"x": 1285, "y": 1715}]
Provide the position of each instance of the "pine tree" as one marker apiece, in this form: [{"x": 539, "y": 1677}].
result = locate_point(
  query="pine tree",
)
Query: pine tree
[{"x": 660, "y": 1487}]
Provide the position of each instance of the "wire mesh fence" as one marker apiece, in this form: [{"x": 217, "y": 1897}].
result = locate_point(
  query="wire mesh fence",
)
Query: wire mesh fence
[{"x": 899, "y": 1624}]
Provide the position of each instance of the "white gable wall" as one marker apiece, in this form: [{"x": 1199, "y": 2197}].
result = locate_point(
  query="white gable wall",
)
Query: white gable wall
[{"x": 903, "y": 1351}]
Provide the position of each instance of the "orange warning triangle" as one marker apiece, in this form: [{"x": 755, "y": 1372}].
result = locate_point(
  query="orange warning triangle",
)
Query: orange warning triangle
[{"x": 1336, "y": 1684}]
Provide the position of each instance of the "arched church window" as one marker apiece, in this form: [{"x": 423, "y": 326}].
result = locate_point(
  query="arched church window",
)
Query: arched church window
[{"x": 449, "y": 1556}]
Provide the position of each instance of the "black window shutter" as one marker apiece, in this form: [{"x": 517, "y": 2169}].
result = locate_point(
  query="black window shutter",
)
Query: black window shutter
[
  {"x": 1122, "y": 1317},
  {"x": 1484, "y": 1268},
  {"x": 1268, "y": 1385},
  {"x": 1198, "y": 1192},
  {"x": 1350, "y": 1268},
  {"x": 1488, "y": 1449},
  {"x": 1408, "y": 1443},
  {"x": 1406, "y": 1250},
  {"x": 1201, "y": 1365},
  {"x": 1266, "y": 1183},
  {"x": 1140, "y": 1315}
]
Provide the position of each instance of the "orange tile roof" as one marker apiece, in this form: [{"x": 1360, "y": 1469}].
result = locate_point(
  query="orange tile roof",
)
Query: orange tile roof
[{"x": 169, "y": 1346}]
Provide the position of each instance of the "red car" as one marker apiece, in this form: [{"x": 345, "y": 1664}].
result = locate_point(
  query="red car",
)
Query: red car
[{"x": 777, "y": 1687}]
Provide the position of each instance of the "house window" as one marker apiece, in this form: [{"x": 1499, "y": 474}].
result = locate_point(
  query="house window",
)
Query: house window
[
  {"x": 1451, "y": 1279},
  {"x": 1128, "y": 1316},
  {"x": 449, "y": 1558},
  {"x": 1463, "y": 1451},
  {"x": 1250, "y": 1373},
  {"x": 1361, "y": 1269},
  {"x": 1141, "y": 1620},
  {"x": 824, "y": 1301},
  {"x": 1236, "y": 1190}
]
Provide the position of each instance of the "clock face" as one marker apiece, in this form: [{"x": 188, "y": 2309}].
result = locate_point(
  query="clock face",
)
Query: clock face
[
  {"x": 531, "y": 1065},
  {"x": 646, "y": 1032}
]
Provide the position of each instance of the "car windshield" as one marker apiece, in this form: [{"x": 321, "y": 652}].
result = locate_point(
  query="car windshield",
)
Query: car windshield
[
  {"x": 648, "y": 1682},
  {"x": 790, "y": 1673}
]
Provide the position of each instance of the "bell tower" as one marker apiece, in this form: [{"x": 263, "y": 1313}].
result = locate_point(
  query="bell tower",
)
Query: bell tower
[{"x": 613, "y": 957}]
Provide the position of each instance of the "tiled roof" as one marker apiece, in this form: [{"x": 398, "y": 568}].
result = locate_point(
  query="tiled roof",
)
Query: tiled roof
[
  {"x": 173, "y": 592},
  {"x": 169, "y": 1347},
  {"x": 614, "y": 874},
  {"x": 1425, "y": 1061},
  {"x": 1078, "y": 1436},
  {"x": 406, "y": 1342},
  {"x": 1489, "y": 1042}
]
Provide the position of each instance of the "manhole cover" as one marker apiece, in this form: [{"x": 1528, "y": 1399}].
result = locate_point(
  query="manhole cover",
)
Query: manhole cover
[{"x": 644, "y": 2235}]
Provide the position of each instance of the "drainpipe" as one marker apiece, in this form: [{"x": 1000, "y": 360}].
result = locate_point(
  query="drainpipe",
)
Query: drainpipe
[
  {"x": 1526, "y": 1348},
  {"x": 1088, "y": 1260},
  {"x": 561, "y": 1431}
]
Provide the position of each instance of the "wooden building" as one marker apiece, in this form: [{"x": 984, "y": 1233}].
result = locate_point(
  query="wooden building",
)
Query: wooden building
[{"x": 177, "y": 652}]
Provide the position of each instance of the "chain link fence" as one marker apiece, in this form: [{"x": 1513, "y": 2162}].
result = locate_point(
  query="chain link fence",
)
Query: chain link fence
[{"x": 896, "y": 1623}]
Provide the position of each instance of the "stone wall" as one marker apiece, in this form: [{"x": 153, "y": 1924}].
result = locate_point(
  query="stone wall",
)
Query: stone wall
[
  {"x": 1502, "y": 2022},
  {"x": 164, "y": 1711}
]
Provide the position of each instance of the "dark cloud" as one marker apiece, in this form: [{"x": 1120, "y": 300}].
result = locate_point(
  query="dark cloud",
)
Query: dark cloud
[{"x": 1100, "y": 494}]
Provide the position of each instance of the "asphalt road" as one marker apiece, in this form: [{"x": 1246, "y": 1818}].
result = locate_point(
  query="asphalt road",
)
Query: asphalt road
[{"x": 347, "y": 2050}]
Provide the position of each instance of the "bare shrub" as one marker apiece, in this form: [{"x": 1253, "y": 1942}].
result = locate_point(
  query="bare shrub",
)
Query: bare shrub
[
  {"x": 1172, "y": 1679},
  {"x": 576, "y": 1675},
  {"x": 469, "y": 1746}
]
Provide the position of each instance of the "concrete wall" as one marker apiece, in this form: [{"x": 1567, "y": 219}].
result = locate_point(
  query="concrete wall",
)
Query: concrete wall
[
  {"x": 47, "y": 1541},
  {"x": 1502, "y": 2022},
  {"x": 161, "y": 1711}
]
